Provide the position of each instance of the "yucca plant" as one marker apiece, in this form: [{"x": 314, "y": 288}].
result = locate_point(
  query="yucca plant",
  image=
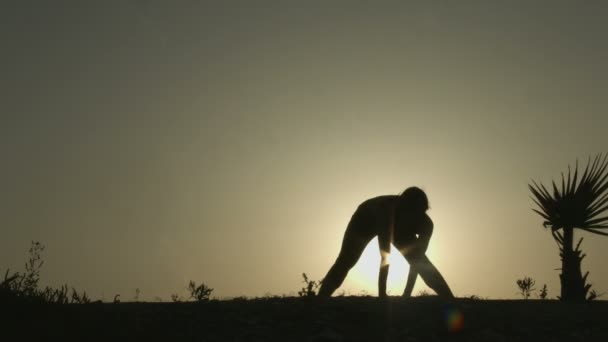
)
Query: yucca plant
[{"x": 580, "y": 203}]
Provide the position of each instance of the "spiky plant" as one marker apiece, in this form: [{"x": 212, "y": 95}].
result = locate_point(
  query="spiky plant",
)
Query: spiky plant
[{"x": 578, "y": 204}]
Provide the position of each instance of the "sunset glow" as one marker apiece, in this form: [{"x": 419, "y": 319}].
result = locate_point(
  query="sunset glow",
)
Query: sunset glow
[
  {"x": 365, "y": 273},
  {"x": 147, "y": 143}
]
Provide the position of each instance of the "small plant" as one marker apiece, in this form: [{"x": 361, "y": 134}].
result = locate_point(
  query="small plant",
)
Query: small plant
[
  {"x": 526, "y": 286},
  {"x": 543, "y": 292},
  {"x": 175, "y": 298},
  {"x": 9, "y": 287},
  {"x": 24, "y": 286},
  {"x": 116, "y": 299},
  {"x": 475, "y": 297},
  {"x": 80, "y": 299},
  {"x": 32, "y": 269},
  {"x": 200, "y": 293},
  {"x": 423, "y": 293},
  {"x": 57, "y": 296},
  {"x": 137, "y": 292},
  {"x": 310, "y": 288},
  {"x": 593, "y": 295}
]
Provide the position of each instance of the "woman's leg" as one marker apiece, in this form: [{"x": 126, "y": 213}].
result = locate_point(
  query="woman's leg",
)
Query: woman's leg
[
  {"x": 353, "y": 244},
  {"x": 430, "y": 274}
]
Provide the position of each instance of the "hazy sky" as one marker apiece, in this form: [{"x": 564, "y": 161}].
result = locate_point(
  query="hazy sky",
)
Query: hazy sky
[{"x": 147, "y": 143}]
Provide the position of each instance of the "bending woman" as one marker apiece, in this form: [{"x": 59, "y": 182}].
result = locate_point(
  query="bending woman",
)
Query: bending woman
[{"x": 398, "y": 220}]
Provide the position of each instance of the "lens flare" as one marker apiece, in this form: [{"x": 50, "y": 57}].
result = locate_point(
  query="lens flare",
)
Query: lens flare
[{"x": 454, "y": 319}]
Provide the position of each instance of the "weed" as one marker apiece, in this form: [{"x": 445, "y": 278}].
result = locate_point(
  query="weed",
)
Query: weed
[
  {"x": 526, "y": 286},
  {"x": 57, "y": 296},
  {"x": 30, "y": 279},
  {"x": 475, "y": 297},
  {"x": 423, "y": 293},
  {"x": 200, "y": 293},
  {"x": 543, "y": 292},
  {"x": 311, "y": 287},
  {"x": 10, "y": 286},
  {"x": 593, "y": 295},
  {"x": 24, "y": 286},
  {"x": 80, "y": 299}
]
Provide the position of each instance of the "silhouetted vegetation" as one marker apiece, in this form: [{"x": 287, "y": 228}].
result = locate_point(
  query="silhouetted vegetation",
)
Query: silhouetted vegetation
[
  {"x": 526, "y": 286},
  {"x": 543, "y": 292},
  {"x": 199, "y": 293},
  {"x": 289, "y": 318},
  {"x": 593, "y": 295},
  {"x": 10, "y": 286},
  {"x": 310, "y": 288},
  {"x": 23, "y": 287},
  {"x": 475, "y": 297},
  {"x": 423, "y": 293},
  {"x": 578, "y": 203}
]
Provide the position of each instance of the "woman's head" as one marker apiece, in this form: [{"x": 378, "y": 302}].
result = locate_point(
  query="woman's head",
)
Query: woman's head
[{"x": 414, "y": 199}]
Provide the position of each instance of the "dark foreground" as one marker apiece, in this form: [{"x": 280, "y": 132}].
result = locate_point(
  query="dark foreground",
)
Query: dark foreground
[{"x": 304, "y": 319}]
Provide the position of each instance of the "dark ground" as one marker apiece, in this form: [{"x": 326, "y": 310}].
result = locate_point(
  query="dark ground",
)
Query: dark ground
[{"x": 309, "y": 319}]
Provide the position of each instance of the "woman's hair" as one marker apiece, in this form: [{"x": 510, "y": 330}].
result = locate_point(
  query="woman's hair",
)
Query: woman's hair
[{"x": 414, "y": 199}]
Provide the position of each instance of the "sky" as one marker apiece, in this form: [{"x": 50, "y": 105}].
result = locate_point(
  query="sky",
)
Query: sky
[{"x": 149, "y": 143}]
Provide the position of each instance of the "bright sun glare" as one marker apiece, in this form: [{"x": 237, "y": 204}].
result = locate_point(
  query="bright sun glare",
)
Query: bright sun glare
[{"x": 365, "y": 273}]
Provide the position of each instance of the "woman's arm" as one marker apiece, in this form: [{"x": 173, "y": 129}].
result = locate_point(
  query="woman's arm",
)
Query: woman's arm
[
  {"x": 385, "y": 239},
  {"x": 385, "y": 250},
  {"x": 419, "y": 247}
]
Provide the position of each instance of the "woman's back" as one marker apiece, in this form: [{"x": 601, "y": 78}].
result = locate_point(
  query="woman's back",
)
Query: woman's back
[{"x": 375, "y": 215}]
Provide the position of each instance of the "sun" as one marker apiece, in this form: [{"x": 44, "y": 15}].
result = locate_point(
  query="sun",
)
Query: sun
[{"x": 364, "y": 276}]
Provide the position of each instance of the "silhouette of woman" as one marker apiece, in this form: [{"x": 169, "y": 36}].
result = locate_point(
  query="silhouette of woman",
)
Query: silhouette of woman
[{"x": 398, "y": 220}]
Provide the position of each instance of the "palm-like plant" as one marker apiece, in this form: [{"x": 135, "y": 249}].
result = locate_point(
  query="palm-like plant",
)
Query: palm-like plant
[{"x": 579, "y": 203}]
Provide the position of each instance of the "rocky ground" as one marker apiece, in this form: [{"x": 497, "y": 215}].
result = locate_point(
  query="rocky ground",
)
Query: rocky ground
[{"x": 310, "y": 319}]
